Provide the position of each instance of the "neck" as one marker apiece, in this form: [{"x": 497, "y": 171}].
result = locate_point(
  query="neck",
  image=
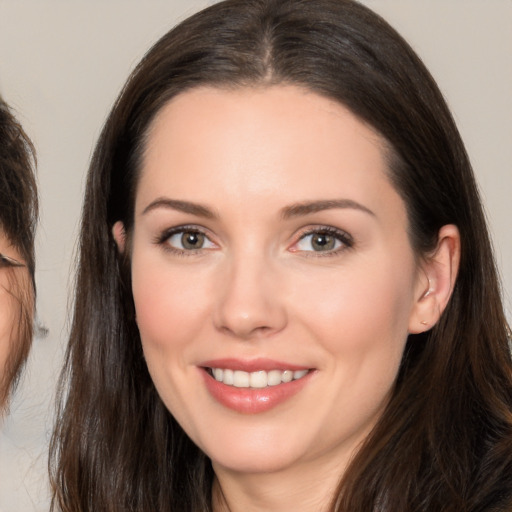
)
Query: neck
[{"x": 308, "y": 489}]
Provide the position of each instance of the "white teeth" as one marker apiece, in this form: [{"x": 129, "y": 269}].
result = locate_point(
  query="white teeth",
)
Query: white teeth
[
  {"x": 240, "y": 379},
  {"x": 287, "y": 376},
  {"x": 274, "y": 377},
  {"x": 256, "y": 380},
  {"x": 228, "y": 377}
]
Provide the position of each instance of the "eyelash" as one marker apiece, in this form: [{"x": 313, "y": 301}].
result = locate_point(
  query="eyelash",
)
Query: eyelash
[
  {"x": 7, "y": 262},
  {"x": 164, "y": 237},
  {"x": 344, "y": 238}
]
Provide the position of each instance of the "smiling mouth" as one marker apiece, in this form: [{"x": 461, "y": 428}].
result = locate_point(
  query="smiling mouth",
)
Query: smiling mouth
[{"x": 255, "y": 380}]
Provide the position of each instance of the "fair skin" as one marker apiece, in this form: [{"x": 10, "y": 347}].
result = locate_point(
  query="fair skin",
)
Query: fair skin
[
  {"x": 267, "y": 240},
  {"x": 9, "y": 306}
]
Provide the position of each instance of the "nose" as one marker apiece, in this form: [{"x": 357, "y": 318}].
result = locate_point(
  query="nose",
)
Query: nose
[{"x": 250, "y": 303}]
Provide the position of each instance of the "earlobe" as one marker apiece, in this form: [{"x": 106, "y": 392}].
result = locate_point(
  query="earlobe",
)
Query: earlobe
[
  {"x": 119, "y": 234},
  {"x": 436, "y": 286}
]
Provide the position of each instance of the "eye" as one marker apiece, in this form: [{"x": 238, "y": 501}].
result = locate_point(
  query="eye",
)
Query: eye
[
  {"x": 6, "y": 261},
  {"x": 188, "y": 240},
  {"x": 327, "y": 240}
]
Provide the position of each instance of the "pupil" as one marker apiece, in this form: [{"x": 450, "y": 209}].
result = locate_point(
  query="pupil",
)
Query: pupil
[
  {"x": 323, "y": 242},
  {"x": 192, "y": 240}
]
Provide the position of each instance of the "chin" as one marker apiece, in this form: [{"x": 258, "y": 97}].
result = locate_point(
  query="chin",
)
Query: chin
[
  {"x": 258, "y": 451},
  {"x": 249, "y": 464}
]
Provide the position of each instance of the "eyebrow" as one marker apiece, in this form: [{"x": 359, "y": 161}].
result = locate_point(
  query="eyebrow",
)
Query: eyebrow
[
  {"x": 294, "y": 210},
  {"x": 182, "y": 206},
  {"x": 300, "y": 209}
]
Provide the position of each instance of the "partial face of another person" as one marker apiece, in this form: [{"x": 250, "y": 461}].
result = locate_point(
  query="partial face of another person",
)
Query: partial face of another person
[
  {"x": 273, "y": 277},
  {"x": 14, "y": 280}
]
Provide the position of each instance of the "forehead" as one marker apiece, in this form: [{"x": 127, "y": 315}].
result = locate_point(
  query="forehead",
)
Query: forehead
[{"x": 280, "y": 142}]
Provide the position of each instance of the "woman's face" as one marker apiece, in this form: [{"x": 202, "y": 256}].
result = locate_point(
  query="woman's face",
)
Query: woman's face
[
  {"x": 269, "y": 245},
  {"x": 9, "y": 306}
]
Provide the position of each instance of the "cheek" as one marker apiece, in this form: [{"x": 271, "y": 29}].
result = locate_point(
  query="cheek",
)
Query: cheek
[
  {"x": 171, "y": 314},
  {"x": 360, "y": 314},
  {"x": 360, "y": 321},
  {"x": 169, "y": 305}
]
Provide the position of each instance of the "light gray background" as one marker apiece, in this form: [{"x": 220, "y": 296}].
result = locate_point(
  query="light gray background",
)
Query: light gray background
[{"x": 62, "y": 64}]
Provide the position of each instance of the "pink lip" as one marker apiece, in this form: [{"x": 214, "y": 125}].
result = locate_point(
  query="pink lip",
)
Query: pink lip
[
  {"x": 252, "y": 365},
  {"x": 252, "y": 401}
]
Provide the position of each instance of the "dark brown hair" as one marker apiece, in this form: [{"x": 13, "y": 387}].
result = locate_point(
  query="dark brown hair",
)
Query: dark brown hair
[
  {"x": 445, "y": 439},
  {"x": 18, "y": 217}
]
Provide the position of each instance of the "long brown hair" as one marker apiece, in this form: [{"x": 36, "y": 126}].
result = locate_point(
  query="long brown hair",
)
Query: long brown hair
[
  {"x": 445, "y": 439},
  {"x": 18, "y": 218}
]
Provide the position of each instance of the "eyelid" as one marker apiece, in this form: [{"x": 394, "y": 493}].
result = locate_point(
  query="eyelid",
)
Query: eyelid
[
  {"x": 6, "y": 261},
  {"x": 166, "y": 234},
  {"x": 345, "y": 238},
  {"x": 342, "y": 236}
]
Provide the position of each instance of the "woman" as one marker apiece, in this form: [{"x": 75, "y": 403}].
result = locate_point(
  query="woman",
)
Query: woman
[
  {"x": 18, "y": 215},
  {"x": 286, "y": 293}
]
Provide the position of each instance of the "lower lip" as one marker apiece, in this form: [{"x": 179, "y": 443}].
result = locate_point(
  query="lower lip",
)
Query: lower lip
[{"x": 250, "y": 400}]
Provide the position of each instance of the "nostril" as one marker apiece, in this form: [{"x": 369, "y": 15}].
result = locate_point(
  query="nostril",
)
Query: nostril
[{"x": 246, "y": 331}]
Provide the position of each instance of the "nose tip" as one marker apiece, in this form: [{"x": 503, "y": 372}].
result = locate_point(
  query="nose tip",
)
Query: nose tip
[{"x": 250, "y": 305}]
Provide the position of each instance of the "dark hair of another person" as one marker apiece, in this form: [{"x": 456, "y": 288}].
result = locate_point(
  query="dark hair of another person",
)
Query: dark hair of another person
[
  {"x": 444, "y": 441},
  {"x": 18, "y": 218}
]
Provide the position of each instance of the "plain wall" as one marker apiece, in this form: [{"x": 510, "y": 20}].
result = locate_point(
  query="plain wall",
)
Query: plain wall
[{"x": 62, "y": 64}]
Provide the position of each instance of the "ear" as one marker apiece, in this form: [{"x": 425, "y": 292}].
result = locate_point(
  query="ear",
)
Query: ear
[
  {"x": 119, "y": 234},
  {"x": 436, "y": 281}
]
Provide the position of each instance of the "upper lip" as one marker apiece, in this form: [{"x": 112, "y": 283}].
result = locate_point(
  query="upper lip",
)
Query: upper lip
[{"x": 251, "y": 365}]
